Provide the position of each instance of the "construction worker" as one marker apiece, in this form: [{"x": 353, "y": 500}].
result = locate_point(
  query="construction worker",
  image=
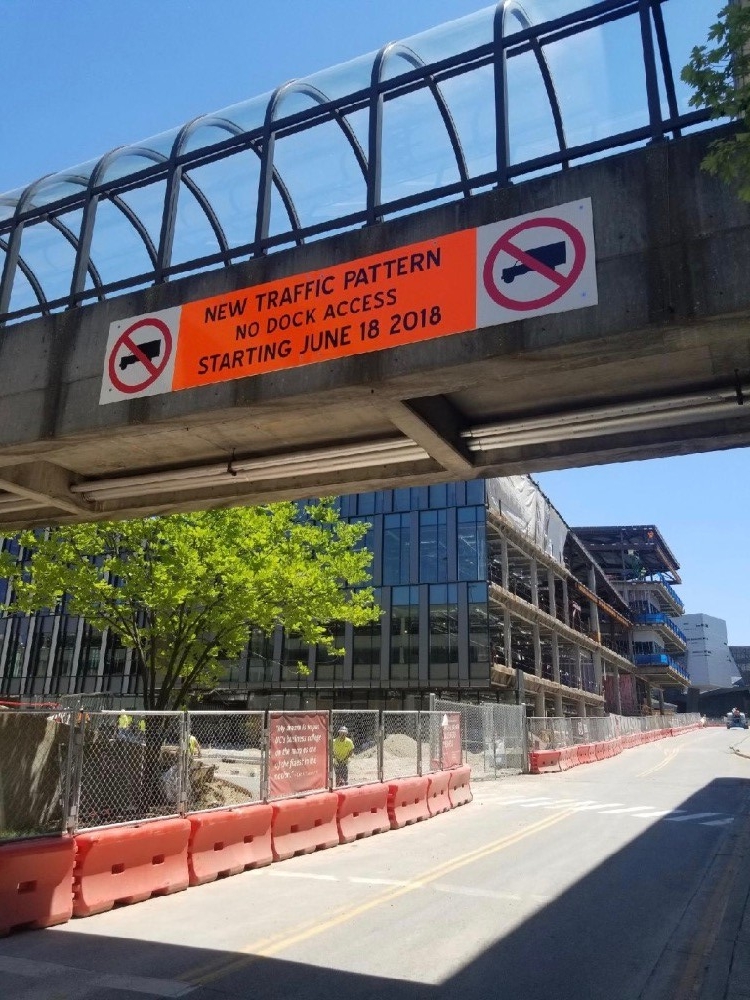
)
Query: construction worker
[
  {"x": 343, "y": 748},
  {"x": 126, "y": 729}
]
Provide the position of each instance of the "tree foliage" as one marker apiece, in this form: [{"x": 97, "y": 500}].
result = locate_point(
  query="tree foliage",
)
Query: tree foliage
[
  {"x": 183, "y": 591},
  {"x": 719, "y": 73}
]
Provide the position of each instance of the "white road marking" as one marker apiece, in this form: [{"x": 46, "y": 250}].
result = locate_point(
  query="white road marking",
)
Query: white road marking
[
  {"x": 719, "y": 822},
  {"x": 689, "y": 817},
  {"x": 99, "y": 981},
  {"x": 657, "y": 813},
  {"x": 625, "y": 809},
  {"x": 355, "y": 880},
  {"x": 596, "y": 805}
]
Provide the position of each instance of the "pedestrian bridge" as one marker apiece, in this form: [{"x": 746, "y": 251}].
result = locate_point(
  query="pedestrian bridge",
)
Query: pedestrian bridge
[{"x": 449, "y": 259}]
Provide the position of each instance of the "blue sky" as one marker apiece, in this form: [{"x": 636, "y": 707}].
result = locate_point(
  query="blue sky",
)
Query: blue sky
[{"x": 93, "y": 74}]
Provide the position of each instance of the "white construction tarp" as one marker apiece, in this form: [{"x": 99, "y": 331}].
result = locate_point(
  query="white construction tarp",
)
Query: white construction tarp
[{"x": 520, "y": 500}]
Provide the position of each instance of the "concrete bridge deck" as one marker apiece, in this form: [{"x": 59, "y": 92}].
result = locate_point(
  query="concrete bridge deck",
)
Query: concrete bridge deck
[{"x": 656, "y": 368}]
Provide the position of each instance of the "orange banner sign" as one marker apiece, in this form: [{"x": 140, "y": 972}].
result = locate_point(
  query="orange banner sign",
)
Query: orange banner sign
[{"x": 414, "y": 293}]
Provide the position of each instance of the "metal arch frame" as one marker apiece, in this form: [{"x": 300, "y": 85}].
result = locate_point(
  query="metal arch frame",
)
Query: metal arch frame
[
  {"x": 92, "y": 202},
  {"x": 32, "y": 279},
  {"x": 176, "y": 174},
  {"x": 502, "y": 131},
  {"x": 35, "y": 282},
  {"x": 13, "y": 251},
  {"x": 375, "y": 134},
  {"x": 263, "y": 212},
  {"x": 260, "y": 139}
]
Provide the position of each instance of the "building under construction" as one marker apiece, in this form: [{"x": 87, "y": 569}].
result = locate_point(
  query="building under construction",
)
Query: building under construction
[{"x": 486, "y": 594}]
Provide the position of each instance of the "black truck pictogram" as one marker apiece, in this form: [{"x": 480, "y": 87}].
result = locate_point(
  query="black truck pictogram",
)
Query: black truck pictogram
[
  {"x": 551, "y": 255},
  {"x": 151, "y": 349}
]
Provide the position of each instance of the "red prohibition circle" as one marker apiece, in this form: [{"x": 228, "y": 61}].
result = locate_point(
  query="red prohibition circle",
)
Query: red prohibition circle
[
  {"x": 154, "y": 371},
  {"x": 564, "y": 282}
]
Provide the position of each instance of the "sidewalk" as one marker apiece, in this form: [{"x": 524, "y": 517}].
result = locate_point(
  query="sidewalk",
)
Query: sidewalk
[{"x": 727, "y": 969}]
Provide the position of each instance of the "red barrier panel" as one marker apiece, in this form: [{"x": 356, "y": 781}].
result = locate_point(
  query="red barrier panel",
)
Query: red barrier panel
[
  {"x": 36, "y": 879},
  {"x": 459, "y": 787},
  {"x": 362, "y": 811},
  {"x": 438, "y": 799},
  {"x": 301, "y": 826},
  {"x": 599, "y": 751},
  {"x": 129, "y": 864},
  {"x": 585, "y": 753},
  {"x": 228, "y": 842},
  {"x": 542, "y": 761},
  {"x": 407, "y": 801}
]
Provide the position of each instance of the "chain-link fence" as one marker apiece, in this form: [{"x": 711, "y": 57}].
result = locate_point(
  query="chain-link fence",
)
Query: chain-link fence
[
  {"x": 556, "y": 734},
  {"x": 79, "y": 770},
  {"x": 401, "y": 744},
  {"x": 225, "y": 759},
  {"x": 493, "y": 736},
  {"x": 131, "y": 766}
]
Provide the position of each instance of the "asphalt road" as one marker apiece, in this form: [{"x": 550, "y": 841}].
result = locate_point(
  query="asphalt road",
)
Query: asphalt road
[{"x": 607, "y": 882}]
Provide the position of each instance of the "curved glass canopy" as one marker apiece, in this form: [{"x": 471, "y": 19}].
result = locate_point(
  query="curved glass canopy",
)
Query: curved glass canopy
[{"x": 470, "y": 105}]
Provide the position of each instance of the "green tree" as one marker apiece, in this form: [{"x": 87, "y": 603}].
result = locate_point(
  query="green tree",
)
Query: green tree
[
  {"x": 719, "y": 73},
  {"x": 183, "y": 591}
]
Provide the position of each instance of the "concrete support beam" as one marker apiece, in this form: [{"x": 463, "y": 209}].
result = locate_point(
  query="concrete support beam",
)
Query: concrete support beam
[
  {"x": 556, "y": 673},
  {"x": 596, "y": 632},
  {"x": 434, "y": 424},
  {"x": 537, "y": 650},
  {"x": 551, "y": 591},
  {"x": 44, "y": 484}
]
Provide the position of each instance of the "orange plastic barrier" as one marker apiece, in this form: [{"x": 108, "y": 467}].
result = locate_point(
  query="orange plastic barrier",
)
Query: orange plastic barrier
[
  {"x": 129, "y": 864},
  {"x": 568, "y": 758},
  {"x": 36, "y": 879},
  {"x": 362, "y": 811},
  {"x": 541, "y": 761},
  {"x": 459, "y": 786},
  {"x": 228, "y": 842},
  {"x": 586, "y": 753},
  {"x": 599, "y": 751},
  {"x": 407, "y": 801},
  {"x": 301, "y": 826},
  {"x": 438, "y": 799}
]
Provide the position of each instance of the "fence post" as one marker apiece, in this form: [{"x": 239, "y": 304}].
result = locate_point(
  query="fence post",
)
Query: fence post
[
  {"x": 183, "y": 763},
  {"x": 419, "y": 743},
  {"x": 525, "y": 744},
  {"x": 331, "y": 766},
  {"x": 264, "y": 754},
  {"x": 73, "y": 771},
  {"x": 381, "y": 738}
]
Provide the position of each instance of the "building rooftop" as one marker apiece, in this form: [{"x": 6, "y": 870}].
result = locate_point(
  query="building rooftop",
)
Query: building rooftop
[{"x": 630, "y": 552}]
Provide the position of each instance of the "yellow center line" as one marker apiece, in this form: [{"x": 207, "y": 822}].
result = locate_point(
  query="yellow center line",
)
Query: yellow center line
[
  {"x": 269, "y": 946},
  {"x": 657, "y": 767}
]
